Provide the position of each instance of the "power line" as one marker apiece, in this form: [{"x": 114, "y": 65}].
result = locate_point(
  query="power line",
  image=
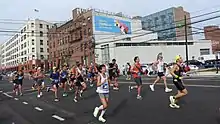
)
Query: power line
[{"x": 171, "y": 28}]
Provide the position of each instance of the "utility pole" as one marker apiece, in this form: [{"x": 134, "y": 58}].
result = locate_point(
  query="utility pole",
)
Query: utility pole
[{"x": 186, "y": 41}]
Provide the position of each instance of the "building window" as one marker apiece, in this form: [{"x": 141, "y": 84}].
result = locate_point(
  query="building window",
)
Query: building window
[
  {"x": 47, "y": 43},
  {"x": 48, "y": 27},
  {"x": 204, "y": 51},
  {"x": 33, "y": 56},
  {"x": 33, "y": 50},
  {"x": 32, "y": 25},
  {"x": 41, "y": 56},
  {"x": 41, "y": 42},
  {"x": 21, "y": 38},
  {"x": 48, "y": 50},
  {"x": 41, "y": 25},
  {"x": 105, "y": 53},
  {"x": 41, "y": 50},
  {"x": 32, "y": 41},
  {"x": 25, "y": 36},
  {"x": 25, "y": 58},
  {"x": 89, "y": 31},
  {"x": 25, "y": 52},
  {"x": 24, "y": 29},
  {"x": 41, "y": 33},
  {"x": 25, "y": 45},
  {"x": 32, "y": 33},
  {"x": 22, "y": 46}
]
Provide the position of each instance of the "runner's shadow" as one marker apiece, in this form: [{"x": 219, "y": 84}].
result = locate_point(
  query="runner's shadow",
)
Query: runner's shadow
[
  {"x": 118, "y": 108},
  {"x": 144, "y": 91}
]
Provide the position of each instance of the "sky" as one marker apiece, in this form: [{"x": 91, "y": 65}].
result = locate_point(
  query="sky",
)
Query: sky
[{"x": 60, "y": 10}]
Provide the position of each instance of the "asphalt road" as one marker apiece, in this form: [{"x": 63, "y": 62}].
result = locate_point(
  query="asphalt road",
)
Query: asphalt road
[{"x": 200, "y": 106}]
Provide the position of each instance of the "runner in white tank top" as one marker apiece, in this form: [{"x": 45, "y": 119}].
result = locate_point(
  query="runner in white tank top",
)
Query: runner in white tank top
[
  {"x": 160, "y": 66},
  {"x": 160, "y": 69},
  {"x": 104, "y": 87},
  {"x": 103, "y": 91}
]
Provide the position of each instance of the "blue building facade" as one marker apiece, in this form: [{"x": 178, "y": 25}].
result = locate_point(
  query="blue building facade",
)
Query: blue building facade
[{"x": 160, "y": 21}]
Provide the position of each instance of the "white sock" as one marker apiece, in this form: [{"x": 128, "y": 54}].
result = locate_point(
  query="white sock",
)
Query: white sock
[
  {"x": 132, "y": 87},
  {"x": 101, "y": 107},
  {"x": 102, "y": 113}
]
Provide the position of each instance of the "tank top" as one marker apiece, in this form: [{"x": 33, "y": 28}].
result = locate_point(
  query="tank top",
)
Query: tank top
[
  {"x": 160, "y": 66},
  {"x": 64, "y": 74},
  {"x": 179, "y": 72},
  {"x": 104, "y": 88}
]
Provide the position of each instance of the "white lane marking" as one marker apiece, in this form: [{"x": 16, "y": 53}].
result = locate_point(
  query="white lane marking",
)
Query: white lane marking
[
  {"x": 16, "y": 99},
  {"x": 7, "y": 95},
  {"x": 189, "y": 85},
  {"x": 39, "y": 109},
  {"x": 59, "y": 118},
  {"x": 25, "y": 103}
]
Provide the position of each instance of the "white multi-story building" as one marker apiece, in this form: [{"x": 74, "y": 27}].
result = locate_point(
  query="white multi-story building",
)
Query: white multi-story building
[{"x": 28, "y": 47}]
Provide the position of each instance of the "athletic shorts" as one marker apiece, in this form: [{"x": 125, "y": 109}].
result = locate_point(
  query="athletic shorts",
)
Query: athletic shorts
[
  {"x": 103, "y": 95},
  {"x": 138, "y": 81},
  {"x": 19, "y": 82},
  {"x": 179, "y": 84},
  {"x": 128, "y": 73},
  {"x": 79, "y": 81},
  {"x": 63, "y": 80},
  {"x": 160, "y": 74},
  {"x": 72, "y": 79},
  {"x": 55, "y": 83},
  {"x": 35, "y": 80},
  {"x": 112, "y": 75},
  {"x": 39, "y": 82}
]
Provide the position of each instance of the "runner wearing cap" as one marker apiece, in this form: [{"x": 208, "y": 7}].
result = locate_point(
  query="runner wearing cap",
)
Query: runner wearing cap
[{"x": 177, "y": 72}]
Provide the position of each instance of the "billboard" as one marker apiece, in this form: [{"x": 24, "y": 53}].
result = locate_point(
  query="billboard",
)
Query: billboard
[{"x": 112, "y": 25}]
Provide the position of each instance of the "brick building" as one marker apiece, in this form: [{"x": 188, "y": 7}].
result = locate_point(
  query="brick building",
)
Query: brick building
[
  {"x": 213, "y": 33},
  {"x": 71, "y": 42}
]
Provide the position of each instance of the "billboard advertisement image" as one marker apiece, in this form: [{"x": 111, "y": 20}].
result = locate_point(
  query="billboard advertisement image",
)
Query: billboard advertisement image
[{"x": 112, "y": 25}]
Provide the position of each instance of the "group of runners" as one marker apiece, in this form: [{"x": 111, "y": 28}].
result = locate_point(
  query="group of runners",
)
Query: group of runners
[{"x": 104, "y": 76}]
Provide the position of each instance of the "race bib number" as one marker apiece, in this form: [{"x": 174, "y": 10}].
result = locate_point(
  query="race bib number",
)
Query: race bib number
[
  {"x": 56, "y": 81},
  {"x": 139, "y": 74},
  {"x": 105, "y": 86}
]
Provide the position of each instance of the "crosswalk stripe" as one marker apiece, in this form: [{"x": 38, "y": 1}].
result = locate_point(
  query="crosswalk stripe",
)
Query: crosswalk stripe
[{"x": 59, "y": 118}]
